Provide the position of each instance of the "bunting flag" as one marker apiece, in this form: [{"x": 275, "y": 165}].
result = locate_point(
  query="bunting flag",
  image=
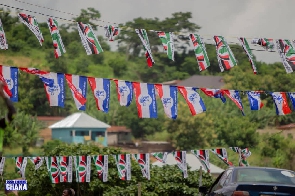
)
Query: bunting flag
[
  {"x": 222, "y": 155},
  {"x": 145, "y": 100},
  {"x": 124, "y": 91},
  {"x": 200, "y": 51},
  {"x": 292, "y": 98},
  {"x": 160, "y": 156},
  {"x": 37, "y": 161},
  {"x": 234, "y": 95},
  {"x": 43, "y": 75},
  {"x": 225, "y": 56},
  {"x": 123, "y": 166},
  {"x": 9, "y": 75},
  {"x": 89, "y": 39},
  {"x": 58, "y": 45},
  {"x": 287, "y": 54},
  {"x": 267, "y": 44},
  {"x": 65, "y": 167},
  {"x": 83, "y": 168},
  {"x": 21, "y": 163},
  {"x": 101, "y": 165},
  {"x": 281, "y": 103},
  {"x": 254, "y": 100},
  {"x": 180, "y": 157},
  {"x": 247, "y": 49},
  {"x": 56, "y": 92},
  {"x": 53, "y": 169},
  {"x": 144, "y": 162},
  {"x": 78, "y": 86},
  {"x": 32, "y": 23},
  {"x": 2, "y": 163},
  {"x": 215, "y": 93},
  {"x": 111, "y": 32},
  {"x": 167, "y": 40},
  {"x": 193, "y": 99},
  {"x": 168, "y": 95},
  {"x": 3, "y": 41},
  {"x": 203, "y": 156},
  {"x": 142, "y": 34},
  {"x": 245, "y": 153},
  {"x": 101, "y": 91}
]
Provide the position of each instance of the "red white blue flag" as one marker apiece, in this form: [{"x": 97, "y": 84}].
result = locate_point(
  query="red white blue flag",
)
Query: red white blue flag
[
  {"x": 292, "y": 98},
  {"x": 9, "y": 75},
  {"x": 254, "y": 100},
  {"x": 193, "y": 99},
  {"x": 124, "y": 91},
  {"x": 78, "y": 86},
  {"x": 234, "y": 95},
  {"x": 168, "y": 95},
  {"x": 281, "y": 103},
  {"x": 101, "y": 91},
  {"x": 43, "y": 75},
  {"x": 215, "y": 93},
  {"x": 145, "y": 100},
  {"x": 55, "y": 92}
]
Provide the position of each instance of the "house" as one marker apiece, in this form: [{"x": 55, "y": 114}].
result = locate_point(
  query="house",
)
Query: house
[
  {"x": 215, "y": 82},
  {"x": 191, "y": 161},
  {"x": 119, "y": 135},
  {"x": 45, "y": 133},
  {"x": 80, "y": 128}
]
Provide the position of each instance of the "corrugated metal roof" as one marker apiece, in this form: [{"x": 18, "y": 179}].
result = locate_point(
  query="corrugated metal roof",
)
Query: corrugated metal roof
[
  {"x": 192, "y": 161},
  {"x": 79, "y": 120}
]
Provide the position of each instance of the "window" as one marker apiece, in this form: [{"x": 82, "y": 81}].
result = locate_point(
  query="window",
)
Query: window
[
  {"x": 82, "y": 133},
  {"x": 228, "y": 178}
]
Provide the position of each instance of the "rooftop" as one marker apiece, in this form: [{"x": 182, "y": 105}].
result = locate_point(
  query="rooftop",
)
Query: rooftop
[
  {"x": 117, "y": 129},
  {"x": 215, "y": 82}
]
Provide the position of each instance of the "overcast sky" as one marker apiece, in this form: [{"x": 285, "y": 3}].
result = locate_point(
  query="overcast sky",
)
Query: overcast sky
[{"x": 229, "y": 18}]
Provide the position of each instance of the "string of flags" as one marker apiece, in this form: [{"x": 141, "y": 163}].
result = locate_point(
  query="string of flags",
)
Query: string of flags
[
  {"x": 61, "y": 168},
  {"x": 225, "y": 56},
  {"x": 144, "y": 93}
]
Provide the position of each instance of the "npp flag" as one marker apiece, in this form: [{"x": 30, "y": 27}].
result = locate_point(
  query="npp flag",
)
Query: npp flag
[
  {"x": 234, "y": 95},
  {"x": 203, "y": 156},
  {"x": 32, "y": 23},
  {"x": 101, "y": 165},
  {"x": 43, "y": 75},
  {"x": 144, "y": 162},
  {"x": 281, "y": 103},
  {"x": 37, "y": 161},
  {"x": 292, "y": 98},
  {"x": 21, "y": 163},
  {"x": 200, "y": 51},
  {"x": 287, "y": 54},
  {"x": 142, "y": 34},
  {"x": 123, "y": 165},
  {"x": 101, "y": 91},
  {"x": 221, "y": 153},
  {"x": 78, "y": 86},
  {"x": 65, "y": 167},
  {"x": 167, "y": 39},
  {"x": 58, "y": 45},
  {"x": 225, "y": 56},
  {"x": 3, "y": 41},
  {"x": 215, "y": 93},
  {"x": 83, "y": 168},
  {"x": 89, "y": 39},
  {"x": 124, "y": 92},
  {"x": 180, "y": 158},
  {"x": 249, "y": 53},
  {"x": 111, "y": 32},
  {"x": 267, "y": 44},
  {"x": 168, "y": 96},
  {"x": 160, "y": 156},
  {"x": 9, "y": 75},
  {"x": 254, "y": 100},
  {"x": 145, "y": 100},
  {"x": 53, "y": 169},
  {"x": 193, "y": 99},
  {"x": 56, "y": 92}
]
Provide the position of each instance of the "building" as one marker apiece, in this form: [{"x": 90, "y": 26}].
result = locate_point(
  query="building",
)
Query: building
[
  {"x": 80, "y": 128},
  {"x": 191, "y": 161},
  {"x": 118, "y": 135},
  {"x": 215, "y": 82},
  {"x": 45, "y": 134}
]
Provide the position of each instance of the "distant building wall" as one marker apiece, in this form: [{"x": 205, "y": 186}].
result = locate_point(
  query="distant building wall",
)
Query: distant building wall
[{"x": 149, "y": 146}]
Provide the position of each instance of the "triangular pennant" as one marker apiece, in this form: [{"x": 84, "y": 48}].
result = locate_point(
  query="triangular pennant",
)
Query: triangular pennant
[
  {"x": 3, "y": 41},
  {"x": 124, "y": 91},
  {"x": 53, "y": 169},
  {"x": 144, "y": 162},
  {"x": 281, "y": 103},
  {"x": 111, "y": 32},
  {"x": 21, "y": 163},
  {"x": 9, "y": 75},
  {"x": 101, "y": 91},
  {"x": 287, "y": 54},
  {"x": 180, "y": 157},
  {"x": 2, "y": 162},
  {"x": 83, "y": 168},
  {"x": 267, "y": 44},
  {"x": 234, "y": 95},
  {"x": 124, "y": 166},
  {"x": 215, "y": 93},
  {"x": 167, "y": 39},
  {"x": 200, "y": 51},
  {"x": 254, "y": 100},
  {"x": 247, "y": 49},
  {"x": 203, "y": 156},
  {"x": 142, "y": 34},
  {"x": 58, "y": 45},
  {"x": 78, "y": 86},
  {"x": 221, "y": 153},
  {"x": 37, "y": 161},
  {"x": 160, "y": 156},
  {"x": 65, "y": 167},
  {"x": 101, "y": 165}
]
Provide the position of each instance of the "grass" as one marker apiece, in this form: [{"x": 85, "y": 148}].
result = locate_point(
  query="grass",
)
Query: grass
[{"x": 159, "y": 136}]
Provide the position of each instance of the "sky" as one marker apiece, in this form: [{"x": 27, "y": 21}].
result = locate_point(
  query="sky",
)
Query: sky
[{"x": 228, "y": 18}]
